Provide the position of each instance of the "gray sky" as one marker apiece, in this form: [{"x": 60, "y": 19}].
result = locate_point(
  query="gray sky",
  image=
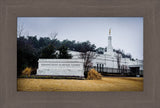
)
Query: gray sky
[{"x": 127, "y": 32}]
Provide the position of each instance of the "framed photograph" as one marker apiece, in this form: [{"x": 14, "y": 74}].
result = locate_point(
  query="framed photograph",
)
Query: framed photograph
[
  {"x": 80, "y": 54},
  {"x": 38, "y": 68}
]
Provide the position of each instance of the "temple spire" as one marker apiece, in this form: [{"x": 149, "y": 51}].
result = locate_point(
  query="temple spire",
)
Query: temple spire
[
  {"x": 110, "y": 31},
  {"x": 110, "y": 48}
]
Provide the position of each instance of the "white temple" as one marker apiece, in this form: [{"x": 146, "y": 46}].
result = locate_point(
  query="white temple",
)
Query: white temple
[{"x": 109, "y": 58}]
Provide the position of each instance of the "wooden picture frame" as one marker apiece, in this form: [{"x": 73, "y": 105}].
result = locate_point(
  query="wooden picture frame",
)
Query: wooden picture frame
[{"x": 11, "y": 9}]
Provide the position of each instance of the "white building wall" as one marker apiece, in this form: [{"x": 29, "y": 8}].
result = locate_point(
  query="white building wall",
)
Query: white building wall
[{"x": 110, "y": 60}]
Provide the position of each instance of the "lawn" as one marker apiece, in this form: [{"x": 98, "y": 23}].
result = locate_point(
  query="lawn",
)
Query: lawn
[{"x": 106, "y": 84}]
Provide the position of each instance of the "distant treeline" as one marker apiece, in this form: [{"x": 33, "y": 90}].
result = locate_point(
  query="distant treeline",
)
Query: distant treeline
[{"x": 30, "y": 49}]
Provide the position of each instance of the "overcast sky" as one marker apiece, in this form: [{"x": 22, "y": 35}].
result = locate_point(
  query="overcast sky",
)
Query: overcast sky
[{"x": 127, "y": 32}]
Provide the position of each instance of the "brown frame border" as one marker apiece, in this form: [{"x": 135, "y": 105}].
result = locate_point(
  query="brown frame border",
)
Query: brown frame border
[{"x": 11, "y": 9}]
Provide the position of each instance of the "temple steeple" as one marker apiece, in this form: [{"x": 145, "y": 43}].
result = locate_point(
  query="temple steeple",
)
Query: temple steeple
[
  {"x": 110, "y": 48},
  {"x": 109, "y": 32}
]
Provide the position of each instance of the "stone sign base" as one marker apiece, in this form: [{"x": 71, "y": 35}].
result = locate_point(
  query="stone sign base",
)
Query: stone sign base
[{"x": 61, "y": 67}]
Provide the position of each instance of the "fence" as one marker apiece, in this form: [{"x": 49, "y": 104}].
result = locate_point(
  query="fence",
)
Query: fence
[{"x": 106, "y": 70}]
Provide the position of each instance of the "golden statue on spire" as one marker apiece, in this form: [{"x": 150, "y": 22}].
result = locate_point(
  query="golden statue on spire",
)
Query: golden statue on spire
[{"x": 110, "y": 31}]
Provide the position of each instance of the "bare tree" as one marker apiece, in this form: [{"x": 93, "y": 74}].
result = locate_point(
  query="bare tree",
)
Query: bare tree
[
  {"x": 53, "y": 35},
  {"x": 20, "y": 30},
  {"x": 88, "y": 57},
  {"x": 118, "y": 56}
]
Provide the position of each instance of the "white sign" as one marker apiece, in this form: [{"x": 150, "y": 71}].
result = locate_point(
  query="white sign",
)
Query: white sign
[{"x": 61, "y": 67}]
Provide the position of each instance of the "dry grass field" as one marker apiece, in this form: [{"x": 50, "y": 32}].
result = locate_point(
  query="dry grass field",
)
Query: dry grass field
[{"x": 106, "y": 84}]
